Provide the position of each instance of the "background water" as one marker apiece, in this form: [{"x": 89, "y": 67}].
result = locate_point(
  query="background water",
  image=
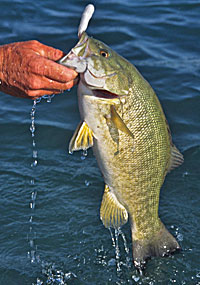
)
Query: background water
[{"x": 50, "y": 231}]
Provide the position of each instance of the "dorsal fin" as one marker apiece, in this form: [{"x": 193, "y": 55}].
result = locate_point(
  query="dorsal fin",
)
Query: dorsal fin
[{"x": 176, "y": 158}]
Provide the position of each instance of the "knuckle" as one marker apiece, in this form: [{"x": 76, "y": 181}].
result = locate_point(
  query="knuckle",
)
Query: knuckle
[{"x": 33, "y": 42}]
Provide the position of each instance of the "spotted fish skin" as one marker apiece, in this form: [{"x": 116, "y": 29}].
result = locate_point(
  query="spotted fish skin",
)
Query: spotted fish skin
[{"x": 131, "y": 142}]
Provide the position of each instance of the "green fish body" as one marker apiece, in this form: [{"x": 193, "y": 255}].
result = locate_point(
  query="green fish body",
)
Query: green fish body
[{"x": 123, "y": 121}]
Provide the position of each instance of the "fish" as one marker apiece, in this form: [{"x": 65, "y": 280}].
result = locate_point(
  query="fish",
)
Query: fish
[{"x": 123, "y": 121}]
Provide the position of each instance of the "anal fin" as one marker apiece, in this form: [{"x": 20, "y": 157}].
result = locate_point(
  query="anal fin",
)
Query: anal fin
[
  {"x": 82, "y": 138},
  {"x": 112, "y": 213}
]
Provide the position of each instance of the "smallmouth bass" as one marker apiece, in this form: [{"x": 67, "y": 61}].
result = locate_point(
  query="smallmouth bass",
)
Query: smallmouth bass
[{"x": 122, "y": 119}]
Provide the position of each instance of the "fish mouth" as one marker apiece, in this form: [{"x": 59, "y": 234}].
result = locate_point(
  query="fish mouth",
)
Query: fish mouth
[
  {"x": 104, "y": 94},
  {"x": 98, "y": 85}
]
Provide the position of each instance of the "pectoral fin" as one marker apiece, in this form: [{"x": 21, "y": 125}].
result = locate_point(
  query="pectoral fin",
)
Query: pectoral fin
[
  {"x": 119, "y": 123},
  {"x": 112, "y": 213},
  {"x": 82, "y": 138}
]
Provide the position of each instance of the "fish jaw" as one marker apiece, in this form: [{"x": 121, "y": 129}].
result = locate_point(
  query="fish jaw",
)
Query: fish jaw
[{"x": 96, "y": 71}]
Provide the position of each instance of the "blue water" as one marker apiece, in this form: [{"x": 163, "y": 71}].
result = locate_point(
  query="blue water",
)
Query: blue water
[{"x": 50, "y": 231}]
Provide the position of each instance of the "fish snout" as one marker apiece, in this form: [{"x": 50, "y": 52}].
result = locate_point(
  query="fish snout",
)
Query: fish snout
[{"x": 73, "y": 61}]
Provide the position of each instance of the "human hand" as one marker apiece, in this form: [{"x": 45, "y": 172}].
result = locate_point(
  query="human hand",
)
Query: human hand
[{"x": 28, "y": 69}]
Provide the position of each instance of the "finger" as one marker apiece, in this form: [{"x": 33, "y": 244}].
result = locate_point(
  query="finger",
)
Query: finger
[
  {"x": 52, "y": 70},
  {"x": 44, "y": 50},
  {"x": 41, "y": 82},
  {"x": 59, "y": 72},
  {"x": 34, "y": 94}
]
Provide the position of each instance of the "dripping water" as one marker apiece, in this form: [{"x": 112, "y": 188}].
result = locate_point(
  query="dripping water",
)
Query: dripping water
[
  {"x": 84, "y": 154},
  {"x": 117, "y": 251},
  {"x": 115, "y": 243},
  {"x": 32, "y": 253}
]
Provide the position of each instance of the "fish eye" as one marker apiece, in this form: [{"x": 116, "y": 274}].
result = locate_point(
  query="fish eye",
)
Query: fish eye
[{"x": 104, "y": 53}]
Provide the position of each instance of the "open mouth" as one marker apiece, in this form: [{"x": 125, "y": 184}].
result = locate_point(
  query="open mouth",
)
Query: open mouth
[{"x": 104, "y": 94}]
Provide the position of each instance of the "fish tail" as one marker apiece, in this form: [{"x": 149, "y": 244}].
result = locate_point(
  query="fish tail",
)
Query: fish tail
[{"x": 161, "y": 244}]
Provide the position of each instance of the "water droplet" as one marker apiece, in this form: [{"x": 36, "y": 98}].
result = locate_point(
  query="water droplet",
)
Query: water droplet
[
  {"x": 179, "y": 237},
  {"x": 135, "y": 278},
  {"x": 112, "y": 237},
  {"x": 69, "y": 89},
  {"x": 69, "y": 275},
  {"x": 32, "y": 256},
  {"x": 84, "y": 154},
  {"x": 33, "y": 196},
  {"x": 31, "y": 242},
  {"x": 87, "y": 183},
  {"x": 34, "y": 153},
  {"x": 198, "y": 275},
  {"x": 32, "y": 205},
  {"x": 48, "y": 98},
  {"x": 185, "y": 174},
  {"x": 38, "y": 100},
  {"x": 39, "y": 282},
  {"x": 112, "y": 262},
  {"x": 32, "y": 128},
  {"x": 34, "y": 164}
]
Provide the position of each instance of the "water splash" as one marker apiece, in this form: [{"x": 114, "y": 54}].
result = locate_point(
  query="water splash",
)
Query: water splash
[{"x": 54, "y": 275}]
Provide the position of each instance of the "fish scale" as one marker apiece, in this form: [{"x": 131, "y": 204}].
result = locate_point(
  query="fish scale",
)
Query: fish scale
[{"x": 122, "y": 119}]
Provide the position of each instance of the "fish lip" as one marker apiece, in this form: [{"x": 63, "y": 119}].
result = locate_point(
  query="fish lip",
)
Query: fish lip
[{"x": 102, "y": 77}]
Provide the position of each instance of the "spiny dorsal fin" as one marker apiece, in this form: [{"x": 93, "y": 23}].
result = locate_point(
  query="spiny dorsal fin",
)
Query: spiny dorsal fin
[
  {"x": 82, "y": 138},
  {"x": 112, "y": 213},
  {"x": 176, "y": 158}
]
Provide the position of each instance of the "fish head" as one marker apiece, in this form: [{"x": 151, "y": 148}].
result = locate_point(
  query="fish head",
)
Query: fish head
[{"x": 100, "y": 68}]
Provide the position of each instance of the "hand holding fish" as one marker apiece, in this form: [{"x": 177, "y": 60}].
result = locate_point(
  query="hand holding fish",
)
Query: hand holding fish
[{"x": 28, "y": 69}]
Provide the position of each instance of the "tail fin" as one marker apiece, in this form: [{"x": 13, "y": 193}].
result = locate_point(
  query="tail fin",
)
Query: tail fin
[{"x": 162, "y": 244}]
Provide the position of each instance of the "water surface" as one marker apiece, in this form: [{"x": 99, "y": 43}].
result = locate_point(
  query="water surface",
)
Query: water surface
[{"x": 49, "y": 215}]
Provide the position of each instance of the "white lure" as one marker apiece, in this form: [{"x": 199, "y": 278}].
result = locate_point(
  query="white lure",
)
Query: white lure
[{"x": 87, "y": 15}]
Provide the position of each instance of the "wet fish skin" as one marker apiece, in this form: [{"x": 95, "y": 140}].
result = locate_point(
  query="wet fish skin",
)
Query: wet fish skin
[{"x": 131, "y": 141}]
